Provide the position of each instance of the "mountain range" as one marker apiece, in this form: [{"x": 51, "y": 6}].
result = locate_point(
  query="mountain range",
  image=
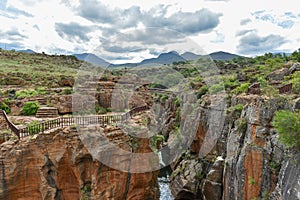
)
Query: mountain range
[{"x": 163, "y": 58}]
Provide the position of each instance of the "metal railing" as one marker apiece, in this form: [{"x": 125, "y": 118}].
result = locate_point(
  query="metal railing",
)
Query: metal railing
[{"x": 69, "y": 121}]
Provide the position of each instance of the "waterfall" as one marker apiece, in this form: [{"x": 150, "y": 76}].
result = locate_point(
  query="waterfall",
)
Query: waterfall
[{"x": 161, "y": 162}]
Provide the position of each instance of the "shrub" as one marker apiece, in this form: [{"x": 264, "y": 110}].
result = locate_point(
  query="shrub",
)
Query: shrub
[
  {"x": 177, "y": 102},
  {"x": 26, "y": 93},
  {"x": 230, "y": 82},
  {"x": 287, "y": 124},
  {"x": 163, "y": 98},
  {"x": 67, "y": 91},
  {"x": 270, "y": 91},
  {"x": 100, "y": 110},
  {"x": 235, "y": 111},
  {"x": 242, "y": 88},
  {"x": 242, "y": 125},
  {"x": 157, "y": 140},
  {"x": 216, "y": 88},
  {"x": 5, "y": 107},
  {"x": 30, "y": 108},
  {"x": 296, "y": 82},
  {"x": 203, "y": 90}
]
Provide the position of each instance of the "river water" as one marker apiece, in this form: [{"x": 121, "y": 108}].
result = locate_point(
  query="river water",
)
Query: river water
[
  {"x": 165, "y": 192},
  {"x": 164, "y": 184}
]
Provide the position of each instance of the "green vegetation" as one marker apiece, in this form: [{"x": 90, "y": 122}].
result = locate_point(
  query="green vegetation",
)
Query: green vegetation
[
  {"x": 37, "y": 69},
  {"x": 177, "y": 101},
  {"x": 67, "y": 91},
  {"x": 270, "y": 91},
  {"x": 235, "y": 111},
  {"x": 295, "y": 80},
  {"x": 5, "y": 105},
  {"x": 101, "y": 110},
  {"x": 203, "y": 90},
  {"x": 30, "y": 108},
  {"x": 287, "y": 124},
  {"x": 251, "y": 180},
  {"x": 157, "y": 140},
  {"x": 30, "y": 93},
  {"x": 85, "y": 192},
  {"x": 214, "y": 89},
  {"x": 242, "y": 88},
  {"x": 199, "y": 176},
  {"x": 163, "y": 98}
]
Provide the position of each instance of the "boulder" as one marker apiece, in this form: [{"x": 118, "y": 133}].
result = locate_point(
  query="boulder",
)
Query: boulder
[{"x": 278, "y": 74}]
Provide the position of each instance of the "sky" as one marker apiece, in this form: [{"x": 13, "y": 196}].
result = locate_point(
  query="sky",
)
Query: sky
[{"x": 132, "y": 30}]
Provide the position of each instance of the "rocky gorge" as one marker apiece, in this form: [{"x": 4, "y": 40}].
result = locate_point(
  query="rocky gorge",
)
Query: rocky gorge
[
  {"x": 192, "y": 143},
  {"x": 247, "y": 162}
]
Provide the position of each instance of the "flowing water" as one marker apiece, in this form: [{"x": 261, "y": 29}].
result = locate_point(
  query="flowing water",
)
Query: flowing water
[
  {"x": 165, "y": 192},
  {"x": 164, "y": 184}
]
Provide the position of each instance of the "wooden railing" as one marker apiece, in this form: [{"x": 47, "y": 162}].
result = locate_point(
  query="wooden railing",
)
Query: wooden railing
[{"x": 74, "y": 120}]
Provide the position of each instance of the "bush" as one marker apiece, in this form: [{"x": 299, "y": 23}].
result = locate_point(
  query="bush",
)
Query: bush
[
  {"x": 203, "y": 90},
  {"x": 242, "y": 88},
  {"x": 100, "y": 110},
  {"x": 67, "y": 91},
  {"x": 270, "y": 91},
  {"x": 235, "y": 111},
  {"x": 230, "y": 82},
  {"x": 177, "y": 102},
  {"x": 30, "y": 108},
  {"x": 163, "y": 98},
  {"x": 214, "y": 89},
  {"x": 5, "y": 107},
  {"x": 287, "y": 124},
  {"x": 296, "y": 82}
]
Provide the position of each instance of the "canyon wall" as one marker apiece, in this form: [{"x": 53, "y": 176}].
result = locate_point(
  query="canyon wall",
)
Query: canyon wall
[
  {"x": 247, "y": 162},
  {"x": 57, "y": 165}
]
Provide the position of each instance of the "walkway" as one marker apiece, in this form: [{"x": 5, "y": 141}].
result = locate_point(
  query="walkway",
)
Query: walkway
[{"x": 84, "y": 121}]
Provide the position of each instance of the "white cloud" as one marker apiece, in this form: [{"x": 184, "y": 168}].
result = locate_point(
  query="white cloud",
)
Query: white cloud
[{"x": 73, "y": 25}]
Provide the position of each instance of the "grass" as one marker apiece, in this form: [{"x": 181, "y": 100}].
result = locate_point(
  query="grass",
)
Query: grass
[{"x": 37, "y": 69}]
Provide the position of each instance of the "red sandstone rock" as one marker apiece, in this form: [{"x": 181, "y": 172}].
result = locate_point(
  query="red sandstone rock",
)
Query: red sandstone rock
[{"x": 57, "y": 165}]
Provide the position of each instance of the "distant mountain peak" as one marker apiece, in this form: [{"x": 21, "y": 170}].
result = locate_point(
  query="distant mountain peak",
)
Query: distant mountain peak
[
  {"x": 174, "y": 52},
  {"x": 190, "y": 56},
  {"x": 222, "y": 55},
  {"x": 92, "y": 58},
  {"x": 27, "y": 51}
]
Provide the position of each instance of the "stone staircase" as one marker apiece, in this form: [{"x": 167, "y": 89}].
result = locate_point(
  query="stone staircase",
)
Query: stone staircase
[{"x": 47, "y": 112}]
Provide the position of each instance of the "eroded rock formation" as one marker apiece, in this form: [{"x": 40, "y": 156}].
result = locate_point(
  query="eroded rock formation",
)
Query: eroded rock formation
[
  {"x": 57, "y": 165},
  {"x": 247, "y": 162}
]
